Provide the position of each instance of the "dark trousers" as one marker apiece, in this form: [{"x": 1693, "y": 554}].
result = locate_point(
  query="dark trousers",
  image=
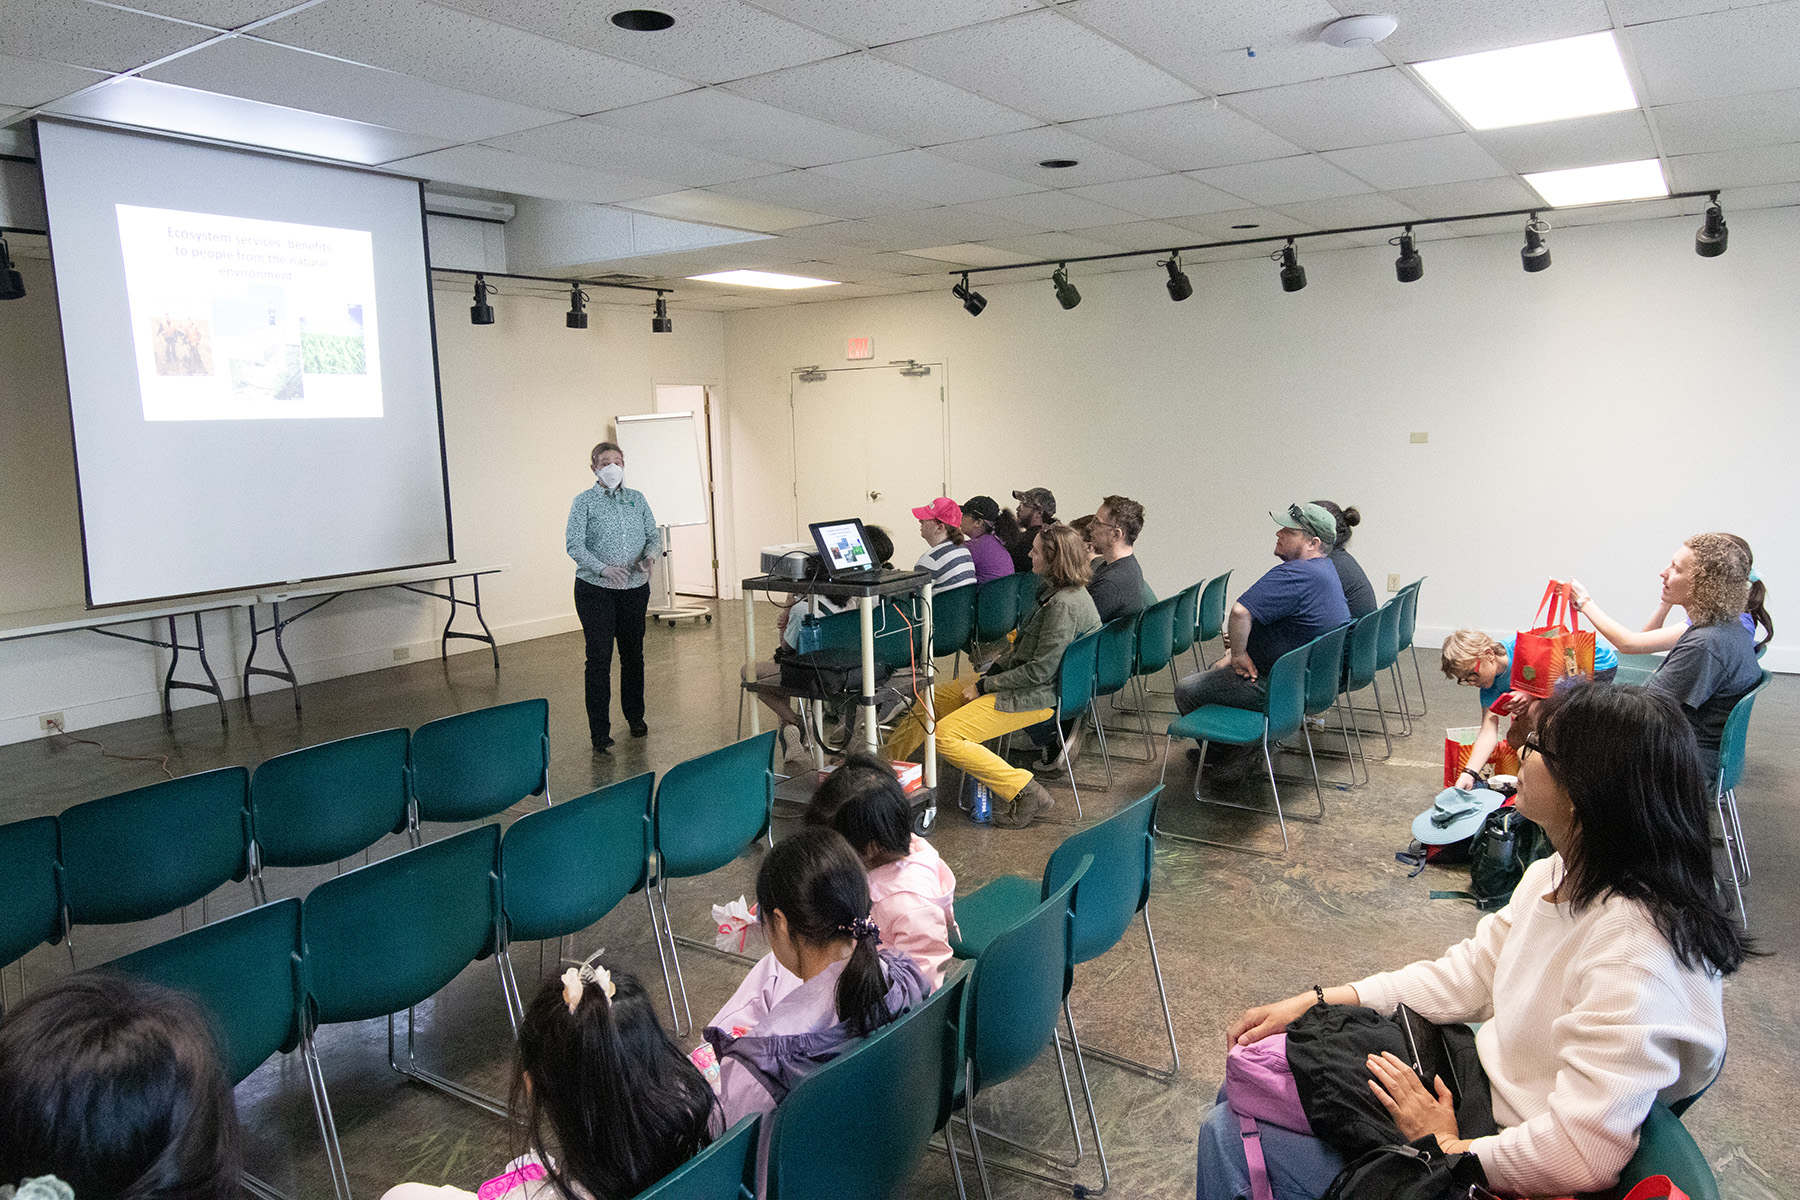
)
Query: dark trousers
[{"x": 607, "y": 614}]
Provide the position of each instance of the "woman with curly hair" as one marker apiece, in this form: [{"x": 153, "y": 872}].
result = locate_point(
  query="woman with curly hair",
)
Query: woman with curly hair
[{"x": 1658, "y": 635}]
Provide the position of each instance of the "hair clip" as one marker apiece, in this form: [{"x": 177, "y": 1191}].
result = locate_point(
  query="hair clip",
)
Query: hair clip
[{"x": 578, "y": 976}]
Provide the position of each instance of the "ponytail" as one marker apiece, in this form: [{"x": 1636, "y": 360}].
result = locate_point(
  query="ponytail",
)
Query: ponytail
[
  {"x": 818, "y": 884},
  {"x": 1759, "y": 614}
]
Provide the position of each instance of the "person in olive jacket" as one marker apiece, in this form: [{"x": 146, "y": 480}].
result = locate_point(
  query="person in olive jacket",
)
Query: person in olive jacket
[{"x": 1019, "y": 689}]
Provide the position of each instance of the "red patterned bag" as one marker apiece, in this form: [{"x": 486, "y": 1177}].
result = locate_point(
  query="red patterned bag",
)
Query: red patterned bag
[{"x": 1552, "y": 650}]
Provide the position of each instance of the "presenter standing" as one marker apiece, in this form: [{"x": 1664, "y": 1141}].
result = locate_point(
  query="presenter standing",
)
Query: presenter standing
[{"x": 614, "y": 541}]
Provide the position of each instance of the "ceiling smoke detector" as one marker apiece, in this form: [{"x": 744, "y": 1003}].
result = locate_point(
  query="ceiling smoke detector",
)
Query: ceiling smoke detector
[{"x": 1354, "y": 33}]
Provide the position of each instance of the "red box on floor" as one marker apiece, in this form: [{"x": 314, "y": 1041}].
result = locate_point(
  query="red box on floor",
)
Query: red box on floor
[{"x": 911, "y": 775}]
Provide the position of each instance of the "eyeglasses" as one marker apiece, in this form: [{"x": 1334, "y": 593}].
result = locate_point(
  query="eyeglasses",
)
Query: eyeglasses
[
  {"x": 1469, "y": 678},
  {"x": 1532, "y": 747},
  {"x": 1104, "y": 524}
]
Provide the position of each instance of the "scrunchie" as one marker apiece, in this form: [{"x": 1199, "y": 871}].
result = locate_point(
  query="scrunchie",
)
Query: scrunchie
[
  {"x": 862, "y": 927},
  {"x": 43, "y": 1187}
]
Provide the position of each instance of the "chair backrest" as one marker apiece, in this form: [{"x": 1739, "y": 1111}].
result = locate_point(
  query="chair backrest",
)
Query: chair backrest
[
  {"x": 151, "y": 850},
  {"x": 1287, "y": 693},
  {"x": 892, "y": 1081},
  {"x": 244, "y": 971},
  {"x": 314, "y": 806},
  {"x": 1156, "y": 635},
  {"x": 386, "y": 936},
  {"x": 1665, "y": 1147},
  {"x": 1387, "y": 640},
  {"x": 1731, "y": 742},
  {"x": 1017, "y": 989},
  {"x": 475, "y": 764},
  {"x": 1117, "y": 885},
  {"x": 30, "y": 908},
  {"x": 724, "y": 1170},
  {"x": 1325, "y": 668},
  {"x": 1187, "y": 619},
  {"x": 896, "y": 633},
  {"x": 1027, "y": 584},
  {"x": 1365, "y": 636},
  {"x": 709, "y": 808},
  {"x": 996, "y": 608},
  {"x": 1116, "y": 653},
  {"x": 1409, "y": 611},
  {"x": 952, "y": 620},
  {"x": 1075, "y": 676},
  {"x": 563, "y": 868},
  {"x": 1211, "y": 611}
]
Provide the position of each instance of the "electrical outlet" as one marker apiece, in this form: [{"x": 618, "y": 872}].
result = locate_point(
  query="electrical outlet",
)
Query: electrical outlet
[
  {"x": 1421, "y": 437},
  {"x": 1393, "y": 583},
  {"x": 402, "y": 653},
  {"x": 50, "y": 723}
]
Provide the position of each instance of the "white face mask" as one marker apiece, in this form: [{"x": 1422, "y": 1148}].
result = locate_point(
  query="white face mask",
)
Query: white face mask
[{"x": 610, "y": 476}]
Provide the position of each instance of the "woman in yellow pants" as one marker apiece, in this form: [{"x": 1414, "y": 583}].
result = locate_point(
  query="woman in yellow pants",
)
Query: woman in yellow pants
[{"x": 1019, "y": 689}]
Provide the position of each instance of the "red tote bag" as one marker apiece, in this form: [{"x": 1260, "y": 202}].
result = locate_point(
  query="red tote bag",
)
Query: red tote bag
[{"x": 1552, "y": 651}]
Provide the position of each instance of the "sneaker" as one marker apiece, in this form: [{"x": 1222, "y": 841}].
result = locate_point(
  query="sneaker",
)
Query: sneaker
[{"x": 1032, "y": 802}]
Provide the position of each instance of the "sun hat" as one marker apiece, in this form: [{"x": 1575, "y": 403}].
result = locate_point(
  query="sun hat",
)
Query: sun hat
[{"x": 1456, "y": 814}]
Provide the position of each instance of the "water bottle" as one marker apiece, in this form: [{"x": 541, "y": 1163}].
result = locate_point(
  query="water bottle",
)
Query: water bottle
[{"x": 982, "y": 811}]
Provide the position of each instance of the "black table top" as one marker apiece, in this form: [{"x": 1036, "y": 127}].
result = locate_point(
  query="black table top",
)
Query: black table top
[{"x": 898, "y": 582}]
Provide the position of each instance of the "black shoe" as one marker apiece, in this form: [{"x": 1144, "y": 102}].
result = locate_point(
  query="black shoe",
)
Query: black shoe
[
  {"x": 638, "y": 729},
  {"x": 603, "y": 746}
]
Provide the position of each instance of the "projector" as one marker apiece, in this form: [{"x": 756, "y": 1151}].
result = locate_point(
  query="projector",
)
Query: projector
[{"x": 795, "y": 560}]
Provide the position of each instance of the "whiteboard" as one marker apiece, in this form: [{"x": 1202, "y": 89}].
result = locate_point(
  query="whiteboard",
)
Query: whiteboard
[{"x": 662, "y": 460}]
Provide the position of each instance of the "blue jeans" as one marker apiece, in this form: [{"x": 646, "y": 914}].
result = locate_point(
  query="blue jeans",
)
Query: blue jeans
[{"x": 1300, "y": 1167}]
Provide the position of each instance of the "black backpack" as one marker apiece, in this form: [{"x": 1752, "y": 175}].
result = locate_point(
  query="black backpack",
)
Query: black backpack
[
  {"x": 1507, "y": 843},
  {"x": 1411, "y": 1171}
]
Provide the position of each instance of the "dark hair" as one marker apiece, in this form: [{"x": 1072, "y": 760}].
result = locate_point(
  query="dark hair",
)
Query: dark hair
[
  {"x": 819, "y": 884},
  {"x": 624, "y": 1105},
  {"x": 1128, "y": 515},
  {"x": 113, "y": 1085},
  {"x": 602, "y": 448},
  {"x": 880, "y": 544},
  {"x": 1759, "y": 613},
  {"x": 1347, "y": 519},
  {"x": 863, "y": 801},
  {"x": 1007, "y": 527},
  {"x": 1628, "y": 760}
]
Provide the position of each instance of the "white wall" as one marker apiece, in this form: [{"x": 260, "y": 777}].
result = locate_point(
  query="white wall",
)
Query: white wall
[{"x": 1581, "y": 421}]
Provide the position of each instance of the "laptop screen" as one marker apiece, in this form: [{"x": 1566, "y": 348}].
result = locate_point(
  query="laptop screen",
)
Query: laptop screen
[{"x": 843, "y": 545}]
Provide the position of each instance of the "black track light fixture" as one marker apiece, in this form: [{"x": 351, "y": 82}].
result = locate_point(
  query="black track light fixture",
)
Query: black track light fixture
[
  {"x": 481, "y": 312},
  {"x": 972, "y": 301},
  {"x": 1410, "y": 266},
  {"x": 661, "y": 322},
  {"x": 12, "y": 284},
  {"x": 577, "y": 316},
  {"x": 1066, "y": 295},
  {"x": 1180, "y": 288},
  {"x": 1536, "y": 252},
  {"x": 1293, "y": 275},
  {"x": 1710, "y": 241}
]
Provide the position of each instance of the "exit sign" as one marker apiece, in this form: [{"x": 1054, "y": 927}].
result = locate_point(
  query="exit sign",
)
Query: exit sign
[{"x": 856, "y": 348}]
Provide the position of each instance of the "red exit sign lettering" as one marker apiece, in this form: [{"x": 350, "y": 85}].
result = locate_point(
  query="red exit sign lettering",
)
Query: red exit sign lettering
[{"x": 858, "y": 348}]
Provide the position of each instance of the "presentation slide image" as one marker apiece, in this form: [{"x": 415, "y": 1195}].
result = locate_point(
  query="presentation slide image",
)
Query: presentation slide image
[{"x": 235, "y": 318}]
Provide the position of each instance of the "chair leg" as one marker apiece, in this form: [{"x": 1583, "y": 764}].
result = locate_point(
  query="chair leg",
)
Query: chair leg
[
  {"x": 1144, "y": 718},
  {"x": 962, "y": 1193},
  {"x": 1346, "y": 725},
  {"x": 1737, "y": 881},
  {"x": 1161, "y": 1074},
  {"x": 1399, "y": 682},
  {"x": 1318, "y": 793},
  {"x": 662, "y": 900},
  {"x": 1424, "y": 704},
  {"x": 509, "y": 987},
  {"x": 1737, "y": 832},
  {"x": 668, "y": 984},
  {"x": 1269, "y": 762},
  {"x": 412, "y": 1070},
  {"x": 1105, "y": 752},
  {"x": 1087, "y": 1095},
  {"x": 334, "y": 1153},
  {"x": 1064, "y": 743}
]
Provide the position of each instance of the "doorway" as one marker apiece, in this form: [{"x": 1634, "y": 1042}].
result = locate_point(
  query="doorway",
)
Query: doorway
[{"x": 694, "y": 549}]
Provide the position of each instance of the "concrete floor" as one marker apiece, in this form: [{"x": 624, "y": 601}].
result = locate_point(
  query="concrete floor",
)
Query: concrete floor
[{"x": 1233, "y": 929}]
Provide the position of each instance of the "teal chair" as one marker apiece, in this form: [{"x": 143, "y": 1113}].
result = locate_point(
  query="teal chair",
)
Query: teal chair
[
  {"x": 1211, "y": 614},
  {"x": 1010, "y": 1006},
  {"x": 1359, "y": 673},
  {"x": 1154, "y": 654},
  {"x": 1324, "y": 676},
  {"x": 725, "y": 1170},
  {"x": 30, "y": 908},
  {"x": 1114, "y": 890},
  {"x": 1665, "y": 1147},
  {"x": 1115, "y": 655},
  {"x": 154, "y": 850},
  {"x": 1075, "y": 678},
  {"x": 472, "y": 765},
  {"x": 1283, "y": 715},
  {"x": 1026, "y": 585},
  {"x": 324, "y": 803},
  {"x": 894, "y": 1081},
  {"x": 996, "y": 609},
  {"x": 1182, "y": 638},
  {"x": 565, "y": 867},
  {"x": 1387, "y": 658},
  {"x": 380, "y": 939},
  {"x": 706, "y": 811},
  {"x": 952, "y": 622},
  {"x": 1731, "y": 771},
  {"x": 1638, "y": 668},
  {"x": 1409, "y": 624}
]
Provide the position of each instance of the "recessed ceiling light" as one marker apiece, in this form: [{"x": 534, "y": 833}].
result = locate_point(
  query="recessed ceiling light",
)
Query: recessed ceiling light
[
  {"x": 642, "y": 20},
  {"x": 1547, "y": 81},
  {"x": 1596, "y": 185},
  {"x": 1058, "y": 164},
  {"x": 765, "y": 279}
]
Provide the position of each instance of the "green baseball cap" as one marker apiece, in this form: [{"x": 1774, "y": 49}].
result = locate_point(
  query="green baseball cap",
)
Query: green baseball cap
[{"x": 1311, "y": 520}]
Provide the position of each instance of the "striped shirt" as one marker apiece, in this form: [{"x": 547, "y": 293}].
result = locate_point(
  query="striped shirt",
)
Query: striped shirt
[
  {"x": 612, "y": 529},
  {"x": 951, "y": 565}
]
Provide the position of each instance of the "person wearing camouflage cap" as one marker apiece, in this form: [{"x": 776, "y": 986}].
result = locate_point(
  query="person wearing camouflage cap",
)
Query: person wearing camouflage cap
[{"x": 1037, "y": 506}]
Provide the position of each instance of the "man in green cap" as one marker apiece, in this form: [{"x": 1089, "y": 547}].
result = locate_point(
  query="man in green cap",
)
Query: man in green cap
[{"x": 1285, "y": 609}]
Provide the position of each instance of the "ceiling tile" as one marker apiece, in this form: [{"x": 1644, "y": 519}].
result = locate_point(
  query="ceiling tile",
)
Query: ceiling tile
[
  {"x": 524, "y": 174},
  {"x": 1727, "y": 53},
  {"x": 1348, "y": 110},
  {"x": 1045, "y": 65},
  {"x": 1055, "y": 245},
  {"x": 1420, "y": 163},
  {"x": 297, "y": 79},
  {"x": 1735, "y": 168},
  {"x": 925, "y": 173},
  {"x": 1260, "y": 222},
  {"x": 28, "y": 82},
  {"x": 713, "y": 40},
  {"x": 1469, "y": 196},
  {"x": 869, "y": 237},
  {"x": 1142, "y": 235},
  {"x": 89, "y": 35},
  {"x": 1444, "y": 28},
  {"x": 1161, "y": 196},
  {"x": 1346, "y": 212},
  {"x": 1283, "y": 180},
  {"x": 1736, "y": 123},
  {"x": 220, "y": 14},
  {"x": 1019, "y": 155},
  {"x": 968, "y": 254},
  {"x": 877, "y": 22},
  {"x": 588, "y": 143},
  {"x": 1577, "y": 142},
  {"x": 713, "y": 209},
  {"x": 818, "y": 193},
  {"x": 910, "y": 264},
  {"x": 1638, "y": 12},
  {"x": 863, "y": 91},
  {"x": 463, "y": 51},
  {"x": 942, "y": 226},
  {"x": 718, "y": 120},
  {"x": 1049, "y": 210},
  {"x": 8, "y": 114},
  {"x": 1774, "y": 195},
  {"x": 1208, "y": 42},
  {"x": 1186, "y": 137}
]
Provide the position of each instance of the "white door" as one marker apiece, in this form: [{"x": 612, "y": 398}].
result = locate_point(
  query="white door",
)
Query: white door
[{"x": 691, "y": 546}]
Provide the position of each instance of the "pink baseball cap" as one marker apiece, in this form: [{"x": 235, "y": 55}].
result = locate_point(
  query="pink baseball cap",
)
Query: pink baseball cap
[{"x": 942, "y": 509}]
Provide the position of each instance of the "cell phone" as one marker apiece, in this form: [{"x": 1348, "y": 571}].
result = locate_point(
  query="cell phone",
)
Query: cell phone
[{"x": 1429, "y": 1056}]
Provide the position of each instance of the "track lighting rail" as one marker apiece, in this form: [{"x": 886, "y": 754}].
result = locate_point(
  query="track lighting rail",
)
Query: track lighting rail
[{"x": 558, "y": 281}]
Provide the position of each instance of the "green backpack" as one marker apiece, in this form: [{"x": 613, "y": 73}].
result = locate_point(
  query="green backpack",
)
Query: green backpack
[{"x": 1506, "y": 844}]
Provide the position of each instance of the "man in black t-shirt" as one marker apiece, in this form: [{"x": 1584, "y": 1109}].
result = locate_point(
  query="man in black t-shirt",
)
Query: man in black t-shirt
[{"x": 1118, "y": 583}]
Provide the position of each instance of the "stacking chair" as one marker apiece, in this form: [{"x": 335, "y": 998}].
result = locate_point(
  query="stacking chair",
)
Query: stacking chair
[
  {"x": 1665, "y": 1147},
  {"x": 565, "y": 867},
  {"x": 473, "y": 765},
  {"x": 1360, "y": 672},
  {"x": 1155, "y": 652},
  {"x": 1637, "y": 668},
  {"x": 1075, "y": 677},
  {"x": 1114, "y": 890},
  {"x": 380, "y": 939},
  {"x": 1114, "y": 658},
  {"x": 30, "y": 908},
  {"x": 1731, "y": 770},
  {"x": 1409, "y": 623},
  {"x": 894, "y": 1081},
  {"x": 1387, "y": 658},
  {"x": 324, "y": 803},
  {"x": 725, "y": 1170},
  {"x": 706, "y": 811},
  {"x": 1210, "y": 614},
  {"x": 996, "y": 609},
  {"x": 952, "y": 624},
  {"x": 1025, "y": 585},
  {"x": 1181, "y": 640},
  {"x": 1283, "y": 715},
  {"x": 154, "y": 850},
  {"x": 1324, "y": 676}
]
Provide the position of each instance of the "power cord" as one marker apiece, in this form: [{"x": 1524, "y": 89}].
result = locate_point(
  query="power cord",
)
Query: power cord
[{"x": 161, "y": 760}]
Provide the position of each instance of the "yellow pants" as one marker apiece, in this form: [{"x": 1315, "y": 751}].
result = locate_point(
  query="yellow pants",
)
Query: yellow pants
[{"x": 962, "y": 725}]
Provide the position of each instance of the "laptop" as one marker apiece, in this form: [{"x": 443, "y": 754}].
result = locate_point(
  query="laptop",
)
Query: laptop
[{"x": 844, "y": 549}]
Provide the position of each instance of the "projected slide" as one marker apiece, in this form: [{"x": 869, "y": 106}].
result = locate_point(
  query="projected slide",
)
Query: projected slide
[{"x": 240, "y": 319}]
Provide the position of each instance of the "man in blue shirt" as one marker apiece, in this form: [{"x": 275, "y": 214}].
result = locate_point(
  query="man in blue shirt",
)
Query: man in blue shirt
[{"x": 614, "y": 541}]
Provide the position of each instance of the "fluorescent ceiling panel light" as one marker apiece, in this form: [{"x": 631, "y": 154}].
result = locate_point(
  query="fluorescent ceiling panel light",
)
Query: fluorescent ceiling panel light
[
  {"x": 1547, "y": 81},
  {"x": 765, "y": 279},
  {"x": 1596, "y": 185}
]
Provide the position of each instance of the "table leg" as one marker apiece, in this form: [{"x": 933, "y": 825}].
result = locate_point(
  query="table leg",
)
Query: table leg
[
  {"x": 750, "y": 656},
  {"x": 865, "y": 608}
]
